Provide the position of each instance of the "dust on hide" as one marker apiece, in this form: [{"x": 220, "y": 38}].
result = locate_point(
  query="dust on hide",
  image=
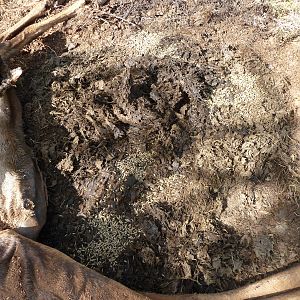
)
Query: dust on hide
[{"x": 23, "y": 196}]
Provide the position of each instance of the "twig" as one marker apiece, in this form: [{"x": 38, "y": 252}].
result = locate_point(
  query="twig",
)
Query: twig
[
  {"x": 9, "y": 48},
  {"x": 9, "y": 82},
  {"x": 35, "y": 13},
  {"x": 129, "y": 10},
  {"x": 122, "y": 19},
  {"x": 101, "y": 19}
]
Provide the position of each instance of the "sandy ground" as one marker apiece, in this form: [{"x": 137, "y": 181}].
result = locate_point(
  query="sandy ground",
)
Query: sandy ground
[{"x": 168, "y": 133}]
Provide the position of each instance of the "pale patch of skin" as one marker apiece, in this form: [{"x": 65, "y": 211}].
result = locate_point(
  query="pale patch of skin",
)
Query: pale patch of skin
[
  {"x": 8, "y": 190},
  {"x": 23, "y": 196}
]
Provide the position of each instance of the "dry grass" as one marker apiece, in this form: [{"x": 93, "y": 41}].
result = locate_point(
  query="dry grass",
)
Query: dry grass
[
  {"x": 244, "y": 96},
  {"x": 288, "y": 17},
  {"x": 244, "y": 116},
  {"x": 110, "y": 236},
  {"x": 135, "y": 165},
  {"x": 19, "y": 7},
  {"x": 143, "y": 43},
  {"x": 284, "y": 7}
]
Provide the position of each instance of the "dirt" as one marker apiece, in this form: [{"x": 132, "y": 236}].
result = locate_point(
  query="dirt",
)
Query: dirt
[{"x": 168, "y": 134}]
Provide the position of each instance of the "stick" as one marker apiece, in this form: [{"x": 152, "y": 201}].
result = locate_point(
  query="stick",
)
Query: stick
[
  {"x": 35, "y": 13},
  {"x": 8, "y": 82},
  {"x": 11, "y": 47}
]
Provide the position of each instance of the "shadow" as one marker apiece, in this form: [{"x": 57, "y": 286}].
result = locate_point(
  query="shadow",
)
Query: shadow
[
  {"x": 47, "y": 137},
  {"x": 283, "y": 242},
  {"x": 151, "y": 263}
]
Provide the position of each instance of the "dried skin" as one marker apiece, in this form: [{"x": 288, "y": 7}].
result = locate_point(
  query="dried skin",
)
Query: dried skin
[
  {"x": 33, "y": 271},
  {"x": 23, "y": 194}
]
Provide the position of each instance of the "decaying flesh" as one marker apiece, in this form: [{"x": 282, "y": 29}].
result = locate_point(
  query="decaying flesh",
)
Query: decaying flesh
[
  {"x": 23, "y": 196},
  {"x": 29, "y": 270}
]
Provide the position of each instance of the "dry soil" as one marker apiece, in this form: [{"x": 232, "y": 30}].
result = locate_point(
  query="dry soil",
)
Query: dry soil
[{"x": 168, "y": 133}]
